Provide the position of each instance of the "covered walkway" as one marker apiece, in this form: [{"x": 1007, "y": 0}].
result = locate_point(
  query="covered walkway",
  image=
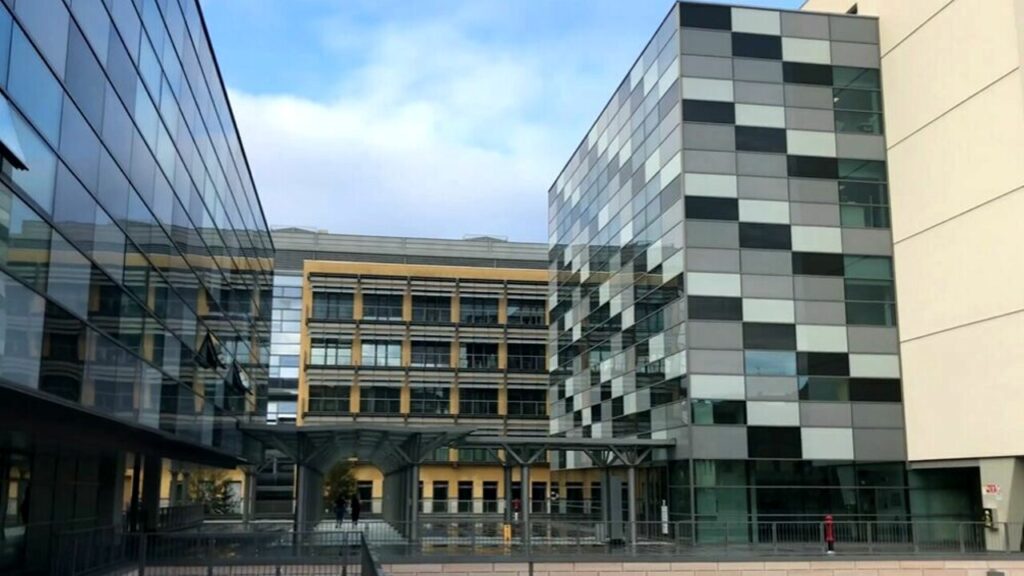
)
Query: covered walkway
[{"x": 398, "y": 451}]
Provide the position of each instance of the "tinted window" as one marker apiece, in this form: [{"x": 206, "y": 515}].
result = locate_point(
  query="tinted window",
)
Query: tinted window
[
  {"x": 34, "y": 88},
  {"x": 871, "y": 313},
  {"x": 24, "y": 241},
  {"x": 774, "y": 236},
  {"x": 708, "y": 111},
  {"x": 812, "y": 167},
  {"x": 773, "y": 442},
  {"x": 703, "y": 16},
  {"x": 851, "y": 99},
  {"x": 760, "y": 139},
  {"x": 868, "y": 267},
  {"x": 21, "y": 331},
  {"x": 47, "y": 22},
  {"x": 704, "y": 208},
  {"x": 69, "y": 277},
  {"x": 823, "y": 363},
  {"x": 719, "y": 412},
  {"x": 74, "y": 210},
  {"x": 846, "y": 77},
  {"x": 863, "y": 193},
  {"x": 870, "y": 170},
  {"x": 715, "y": 308},
  {"x": 818, "y": 264},
  {"x": 756, "y": 46},
  {"x": 858, "y": 122},
  {"x": 825, "y": 389},
  {"x": 869, "y": 289},
  {"x": 38, "y": 180},
  {"x": 5, "y": 43},
  {"x": 797, "y": 73},
  {"x": 875, "y": 390},
  {"x": 85, "y": 79},
  {"x": 769, "y": 363},
  {"x": 864, "y": 216},
  {"x": 769, "y": 336},
  {"x": 79, "y": 147}
]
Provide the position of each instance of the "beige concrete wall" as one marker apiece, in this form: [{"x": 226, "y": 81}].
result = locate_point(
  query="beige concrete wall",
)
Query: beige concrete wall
[
  {"x": 782, "y": 568},
  {"x": 954, "y": 113}
]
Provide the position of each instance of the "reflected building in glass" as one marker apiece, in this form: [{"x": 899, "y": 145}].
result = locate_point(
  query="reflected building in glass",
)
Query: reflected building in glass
[
  {"x": 135, "y": 265},
  {"x": 721, "y": 271}
]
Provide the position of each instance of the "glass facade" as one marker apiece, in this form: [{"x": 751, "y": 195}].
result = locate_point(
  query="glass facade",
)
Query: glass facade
[
  {"x": 135, "y": 261},
  {"x": 721, "y": 269}
]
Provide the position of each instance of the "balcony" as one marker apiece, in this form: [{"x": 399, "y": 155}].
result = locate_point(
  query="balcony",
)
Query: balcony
[
  {"x": 478, "y": 361},
  {"x": 526, "y": 364}
]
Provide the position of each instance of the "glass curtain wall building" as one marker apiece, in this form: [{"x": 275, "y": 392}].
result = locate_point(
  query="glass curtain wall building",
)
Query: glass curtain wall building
[
  {"x": 721, "y": 270},
  {"x": 135, "y": 263}
]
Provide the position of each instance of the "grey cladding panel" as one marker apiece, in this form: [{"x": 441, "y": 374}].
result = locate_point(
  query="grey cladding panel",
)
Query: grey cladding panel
[
  {"x": 706, "y": 67},
  {"x": 709, "y": 137},
  {"x": 706, "y": 42}
]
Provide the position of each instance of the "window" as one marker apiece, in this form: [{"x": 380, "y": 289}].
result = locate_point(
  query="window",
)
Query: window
[
  {"x": 431, "y": 354},
  {"x": 862, "y": 78},
  {"x": 385, "y": 307},
  {"x": 709, "y": 111},
  {"x": 864, "y": 205},
  {"x": 526, "y": 358},
  {"x": 868, "y": 267},
  {"x": 756, "y": 46},
  {"x": 85, "y": 78},
  {"x": 769, "y": 236},
  {"x": 476, "y": 455},
  {"x": 858, "y": 122},
  {"x": 769, "y": 363},
  {"x": 478, "y": 401},
  {"x": 380, "y": 400},
  {"x": 867, "y": 170},
  {"x": 478, "y": 310},
  {"x": 704, "y": 16},
  {"x": 773, "y": 442},
  {"x": 875, "y": 390},
  {"x": 429, "y": 400},
  {"x": 24, "y": 241},
  {"x": 21, "y": 329},
  {"x": 69, "y": 276},
  {"x": 329, "y": 399},
  {"x": 719, "y": 412},
  {"x": 812, "y": 167},
  {"x": 332, "y": 306},
  {"x": 824, "y": 389},
  {"x": 527, "y": 403},
  {"x": 862, "y": 100},
  {"x": 769, "y": 336},
  {"x": 871, "y": 313},
  {"x": 440, "y": 496},
  {"x": 818, "y": 264},
  {"x": 706, "y": 208},
  {"x": 715, "y": 308},
  {"x": 758, "y": 139},
  {"x": 381, "y": 353},
  {"x": 432, "y": 309},
  {"x": 525, "y": 312},
  {"x": 39, "y": 180},
  {"x": 34, "y": 88},
  {"x": 330, "y": 352},
  {"x": 798, "y": 73},
  {"x": 823, "y": 363},
  {"x": 479, "y": 356}
]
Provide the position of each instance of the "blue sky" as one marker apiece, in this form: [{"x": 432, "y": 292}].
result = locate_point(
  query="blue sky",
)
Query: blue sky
[{"x": 422, "y": 117}]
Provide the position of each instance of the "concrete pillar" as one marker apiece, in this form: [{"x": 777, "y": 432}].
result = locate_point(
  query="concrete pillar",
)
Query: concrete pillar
[
  {"x": 110, "y": 496},
  {"x": 135, "y": 501},
  {"x": 151, "y": 476},
  {"x": 507, "y": 479},
  {"x": 606, "y": 500},
  {"x": 308, "y": 498},
  {"x": 248, "y": 496}
]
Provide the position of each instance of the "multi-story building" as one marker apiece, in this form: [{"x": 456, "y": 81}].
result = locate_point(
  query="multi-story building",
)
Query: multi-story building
[
  {"x": 955, "y": 108},
  {"x": 413, "y": 332},
  {"x": 135, "y": 266},
  {"x": 722, "y": 270}
]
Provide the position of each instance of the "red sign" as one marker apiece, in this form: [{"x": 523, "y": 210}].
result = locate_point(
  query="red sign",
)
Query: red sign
[{"x": 991, "y": 488}]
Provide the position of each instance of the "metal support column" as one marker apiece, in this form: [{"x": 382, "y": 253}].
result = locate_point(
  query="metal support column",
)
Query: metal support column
[
  {"x": 606, "y": 501},
  {"x": 631, "y": 491},
  {"x": 249, "y": 496},
  {"x": 414, "y": 499},
  {"x": 525, "y": 493},
  {"x": 508, "y": 492}
]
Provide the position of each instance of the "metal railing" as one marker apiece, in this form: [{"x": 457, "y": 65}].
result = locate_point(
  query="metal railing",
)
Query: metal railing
[
  {"x": 180, "y": 516},
  {"x": 107, "y": 551}
]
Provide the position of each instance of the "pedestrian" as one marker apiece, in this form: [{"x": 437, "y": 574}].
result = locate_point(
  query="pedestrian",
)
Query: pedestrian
[
  {"x": 339, "y": 510},
  {"x": 356, "y": 508},
  {"x": 830, "y": 535}
]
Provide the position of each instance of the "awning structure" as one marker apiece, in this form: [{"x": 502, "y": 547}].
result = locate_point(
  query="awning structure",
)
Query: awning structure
[
  {"x": 389, "y": 447},
  {"x": 392, "y": 447}
]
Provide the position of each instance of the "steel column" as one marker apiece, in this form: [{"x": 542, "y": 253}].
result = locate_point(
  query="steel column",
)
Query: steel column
[
  {"x": 508, "y": 492},
  {"x": 414, "y": 499},
  {"x": 631, "y": 490},
  {"x": 524, "y": 492}
]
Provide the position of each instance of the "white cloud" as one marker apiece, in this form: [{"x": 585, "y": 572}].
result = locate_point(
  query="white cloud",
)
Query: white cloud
[{"x": 431, "y": 138}]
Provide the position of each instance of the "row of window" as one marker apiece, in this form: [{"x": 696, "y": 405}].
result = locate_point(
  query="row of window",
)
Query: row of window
[
  {"x": 765, "y": 139},
  {"x": 335, "y": 352},
  {"x": 426, "y": 309},
  {"x": 428, "y": 401}
]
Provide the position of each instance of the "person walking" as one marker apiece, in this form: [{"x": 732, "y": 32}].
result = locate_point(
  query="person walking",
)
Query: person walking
[
  {"x": 339, "y": 510},
  {"x": 356, "y": 509}
]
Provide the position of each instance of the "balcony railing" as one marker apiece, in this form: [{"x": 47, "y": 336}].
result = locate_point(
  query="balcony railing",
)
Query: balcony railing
[
  {"x": 527, "y": 409},
  {"x": 329, "y": 405},
  {"x": 526, "y": 364},
  {"x": 478, "y": 408},
  {"x": 431, "y": 360}
]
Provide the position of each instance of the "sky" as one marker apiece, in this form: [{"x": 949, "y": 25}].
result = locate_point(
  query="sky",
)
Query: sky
[{"x": 426, "y": 118}]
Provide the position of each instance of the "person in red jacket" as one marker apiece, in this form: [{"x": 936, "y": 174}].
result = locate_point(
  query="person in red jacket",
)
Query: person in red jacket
[{"x": 830, "y": 534}]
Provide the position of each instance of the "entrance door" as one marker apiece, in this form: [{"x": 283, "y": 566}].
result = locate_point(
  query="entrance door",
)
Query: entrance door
[{"x": 465, "y": 496}]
